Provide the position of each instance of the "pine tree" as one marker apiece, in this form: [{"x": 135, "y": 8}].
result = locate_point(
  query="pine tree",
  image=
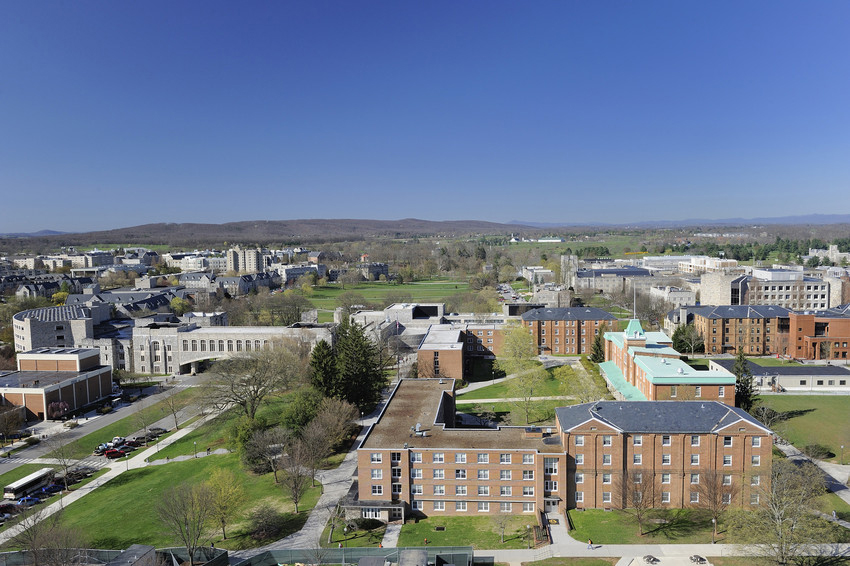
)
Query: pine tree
[
  {"x": 324, "y": 371},
  {"x": 745, "y": 393},
  {"x": 597, "y": 349},
  {"x": 359, "y": 372}
]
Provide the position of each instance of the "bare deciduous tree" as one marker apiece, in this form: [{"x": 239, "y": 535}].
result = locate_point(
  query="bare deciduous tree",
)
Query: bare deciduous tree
[
  {"x": 295, "y": 471},
  {"x": 716, "y": 492},
  {"x": 60, "y": 449},
  {"x": 173, "y": 405},
  {"x": 501, "y": 521},
  {"x": 184, "y": 511},
  {"x": 248, "y": 379},
  {"x": 638, "y": 493},
  {"x": 49, "y": 542},
  {"x": 268, "y": 445},
  {"x": 337, "y": 417}
]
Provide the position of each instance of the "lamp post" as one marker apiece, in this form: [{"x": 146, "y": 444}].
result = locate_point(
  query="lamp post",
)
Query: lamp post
[
  {"x": 528, "y": 534},
  {"x": 345, "y": 539},
  {"x": 195, "y": 449},
  {"x": 713, "y": 530},
  {"x": 842, "y": 454}
]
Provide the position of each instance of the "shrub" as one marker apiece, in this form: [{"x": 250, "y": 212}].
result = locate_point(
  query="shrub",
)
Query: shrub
[
  {"x": 817, "y": 451},
  {"x": 266, "y": 523},
  {"x": 32, "y": 440},
  {"x": 367, "y": 524},
  {"x": 105, "y": 409}
]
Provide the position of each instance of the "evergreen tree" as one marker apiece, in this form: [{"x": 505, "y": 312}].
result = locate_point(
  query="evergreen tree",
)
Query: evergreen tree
[
  {"x": 358, "y": 363},
  {"x": 745, "y": 393},
  {"x": 597, "y": 349},
  {"x": 323, "y": 372}
]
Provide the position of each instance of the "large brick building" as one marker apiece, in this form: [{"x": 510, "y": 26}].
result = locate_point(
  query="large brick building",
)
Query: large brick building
[
  {"x": 820, "y": 335},
  {"x": 643, "y": 366},
  {"x": 759, "y": 330},
  {"x": 566, "y": 330},
  {"x": 53, "y": 381},
  {"x": 448, "y": 350},
  {"x": 415, "y": 457}
]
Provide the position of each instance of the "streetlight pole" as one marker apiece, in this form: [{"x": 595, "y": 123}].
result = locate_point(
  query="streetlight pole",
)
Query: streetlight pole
[
  {"x": 713, "y": 530},
  {"x": 842, "y": 454},
  {"x": 195, "y": 449}
]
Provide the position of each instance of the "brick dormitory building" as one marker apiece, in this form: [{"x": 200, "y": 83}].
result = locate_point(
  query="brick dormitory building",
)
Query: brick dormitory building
[{"x": 415, "y": 459}]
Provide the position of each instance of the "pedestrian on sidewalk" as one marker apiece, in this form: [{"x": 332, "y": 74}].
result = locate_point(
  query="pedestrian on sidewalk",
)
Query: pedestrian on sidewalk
[
  {"x": 589, "y": 544},
  {"x": 834, "y": 515}
]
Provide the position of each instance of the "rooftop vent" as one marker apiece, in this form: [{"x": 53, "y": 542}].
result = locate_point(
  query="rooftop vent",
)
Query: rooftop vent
[{"x": 680, "y": 370}]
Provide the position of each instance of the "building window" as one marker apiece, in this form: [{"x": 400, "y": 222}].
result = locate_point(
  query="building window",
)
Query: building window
[
  {"x": 694, "y": 478},
  {"x": 460, "y": 474},
  {"x": 727, "y": 479},
  {"x": 528, "y": 491},
  {"x": 460, "y": 490},
  {"x": 416, "y": 457},
  {"x": 505, "y": 475},
  {"x": 756, "y": 461},
  {"x": 665, "y": 440},
  {"x": 460, "y": 458},
  {"x": 673, "y": 391},
  {"x": 416, "y": 489},
  {"x": 528, "y": 507},
  {"x": 377, "y": 474},
  {"x": 694, "y": 497},
  {"x": 697, "y": 391},
  {"x": 439, "y": 490},
  {"x": 756, "y": 442},
  {"x": 528, "y": 458},
  {"x": 483, "y": 506},
  {"x": 460, "y": 505},
  {"x": 694, "y": 459},
  {"x": 484, "y": 474},
  {"x": 417, "y": 505},
  {"x": 579, "y": 459},
  {"x": 755, "y": 480},
  {"x": 439, "y": 506},
  {"x": 754, "y": 499},
  {"x": 606, "y": 440},
  {"x": 579, "y": 478},
  {"x": 396, "y": 489},
  {"x": 606, "y": 459},
  {"x": 439, "y": 474},
  {"x": 550, "y": 465},
  {"x": 438, "y": 458},
  {"x": 694, "y": 440},
  {"x": 637, "y": 440},
  {"x": 606, "y": 478},
  {"x": 504, "y": 458},
  {"x": 505, "y": 491},
  {"x": 416, "y": 474},
  {"x": 727, "y": 460},
  {"x": 550, "y": 485},
  {"x": 665, "y": 478},
  {"x": 579, "y": 497},
  {"x": 727, "y": 441},
  {"x": 483, "y": 490},
  {"x": 396, "y": 472},
  {"x": 483, "y": 458},
  {"x": 376, "y": 457},
  {"x": 636, "y": 459},
  {"x": 665, "y": 459},
  {"x": 721, "y": 391},
  {"x": 665, "y": 497},
  {"x": 377, "y": 490},
  {"x": 726, "y": 498},
  {"x": 580, "y": 440},
  {"x": 528, "y": 475},
  {"x": 395, "y": 456},
  {"x": 606, "y": 497}
]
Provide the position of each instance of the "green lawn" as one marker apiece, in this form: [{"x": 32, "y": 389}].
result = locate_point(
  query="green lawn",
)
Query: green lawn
[
  {"x": 831, "y": 502},
  {"x": 773, "y": 362},
  {"x": 550, "y": 387},
  {"x": 83, "y": 446},
  {"x": 325, "y": 298},
  {"x": 814, "y": 419},
  {"x": 353, "y": 539},
  {"x": 122, "y": 511},
  {"x": 683, "y": 526},
  {"x": 542, "y": 412},
  {"x": 700, "y": 364},
  {"x": 478, "y": 532}
]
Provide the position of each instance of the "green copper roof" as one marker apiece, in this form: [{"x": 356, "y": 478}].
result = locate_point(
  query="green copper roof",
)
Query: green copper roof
[
  {"x": 634, "y": 329},
  {"x": 676, "y": 371},
  {"x": 615, "y": 378}
]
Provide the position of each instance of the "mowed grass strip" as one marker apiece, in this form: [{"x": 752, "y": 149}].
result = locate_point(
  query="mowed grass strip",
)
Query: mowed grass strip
[
  {"x": 680, "y": 526},
  {"x": 477, "y": 532},
  {"x": 814, "y": 419},
  {"x": 84, "y": 446},
  {"x": 419, "y": 291},
  {"x": 550, "y": 387},
  {"x": 123, "y": 511}
]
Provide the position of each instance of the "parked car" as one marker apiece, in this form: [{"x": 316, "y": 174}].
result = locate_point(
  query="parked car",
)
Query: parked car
[
  {"x": 101, "y": 448},
  {"x": 125, "y": 449},
  {"x": 133, "y": 443},
  {"x": 51, "y": 489},
  {"x": 85, "y": 471},
  {"x": 112, "y": 453},
  {"x": 157, "y": 430},
  {"x": 29, "y": 501},
  {"x": 9, "y": 509}
]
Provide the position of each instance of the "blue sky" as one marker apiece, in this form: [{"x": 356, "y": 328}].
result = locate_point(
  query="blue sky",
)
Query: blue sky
[{"x": 115, "y": 113}]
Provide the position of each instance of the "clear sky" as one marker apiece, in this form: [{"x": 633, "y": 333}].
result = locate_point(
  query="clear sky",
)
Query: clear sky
[{"x": 114, "y": 114}]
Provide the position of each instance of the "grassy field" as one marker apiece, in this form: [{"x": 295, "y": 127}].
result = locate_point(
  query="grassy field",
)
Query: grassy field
[
  {"x": 376, "y": 292},
  {"x": 353, "y": 539},
  {"x": 123, "y": 511},
  {"x": 83, "y": 446},
  {"x": 773, "y": 362},
  {"x": 831, "y": 502},
  {"x": 683, "y": 526},
  {"x": 542, "y": 412},
  {"x": 478, "y": 532},
  {"x": 550, "y": 387},
  {"x": 814, "y": 419}
]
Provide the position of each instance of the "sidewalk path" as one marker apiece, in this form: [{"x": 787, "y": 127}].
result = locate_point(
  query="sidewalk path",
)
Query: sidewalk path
[{"x": 836, "y": 474}]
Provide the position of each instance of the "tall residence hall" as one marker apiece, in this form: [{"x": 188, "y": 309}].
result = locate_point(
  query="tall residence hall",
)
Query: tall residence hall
[
  {"x": 566, "y": 330},
  {"x": 643, "y": 366},
  {"x": 416, "y": 459}
]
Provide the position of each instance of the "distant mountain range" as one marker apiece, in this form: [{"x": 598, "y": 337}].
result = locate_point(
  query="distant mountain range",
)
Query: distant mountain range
[
  {"x": 31, "y": 234},
  {"x": 817, "y": 219}
]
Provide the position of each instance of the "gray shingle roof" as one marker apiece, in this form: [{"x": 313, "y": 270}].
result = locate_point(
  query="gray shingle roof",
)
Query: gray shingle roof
[
  {"x": 741, "y": 311},
  {"x": 570, "y": 313},
  {"x": 804, "y": 370},
  {"x": 55, "y": 314},
  {"x": 655, "y": 416}
]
